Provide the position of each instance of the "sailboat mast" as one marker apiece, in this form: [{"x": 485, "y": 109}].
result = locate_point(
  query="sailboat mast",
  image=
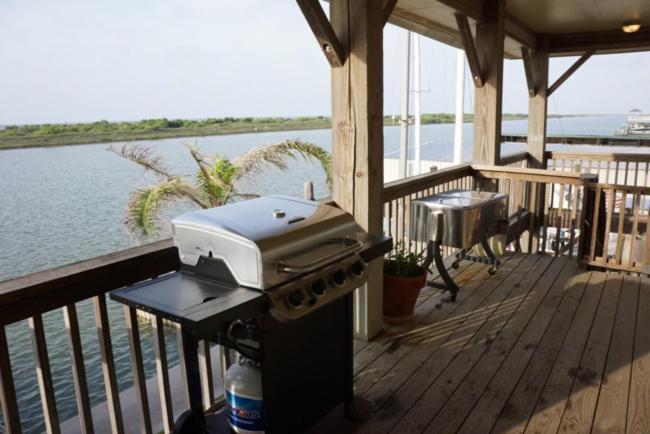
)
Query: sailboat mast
[
  {"x": 460, "y": 107},
  {"x": 404, "y": 120},
  {"x": 416, "y": 104}
]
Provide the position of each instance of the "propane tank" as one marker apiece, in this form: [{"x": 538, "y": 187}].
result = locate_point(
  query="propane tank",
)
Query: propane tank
[{"x": 243, "y": 384}]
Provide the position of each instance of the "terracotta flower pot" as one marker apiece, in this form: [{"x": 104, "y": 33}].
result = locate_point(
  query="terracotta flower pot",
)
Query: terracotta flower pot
[{"x": 400, "y": 295}]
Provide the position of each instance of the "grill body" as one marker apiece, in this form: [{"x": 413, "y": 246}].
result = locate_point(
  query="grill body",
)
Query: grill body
[{"x": 244, "y": 267}]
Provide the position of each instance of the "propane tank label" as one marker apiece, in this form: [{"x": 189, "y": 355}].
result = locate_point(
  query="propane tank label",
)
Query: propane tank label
[{"x": 245, "y": 413}]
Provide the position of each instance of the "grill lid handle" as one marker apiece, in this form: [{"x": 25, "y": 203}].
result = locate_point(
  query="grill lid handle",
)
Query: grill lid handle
[{"x": 352, "y": 246}]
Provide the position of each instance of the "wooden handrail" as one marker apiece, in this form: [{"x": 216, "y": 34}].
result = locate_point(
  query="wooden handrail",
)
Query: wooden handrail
[
  {"x": 524, "y": 174},
  {"x": 39, "y": 292},
  {"x": 402, "y": 187},
  {"x": 582, "y": 140},
  {"x": 595, "y": 156}
]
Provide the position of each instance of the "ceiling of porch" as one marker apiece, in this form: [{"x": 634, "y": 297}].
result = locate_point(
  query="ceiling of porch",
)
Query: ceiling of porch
[{"x": 573, "y": 26}]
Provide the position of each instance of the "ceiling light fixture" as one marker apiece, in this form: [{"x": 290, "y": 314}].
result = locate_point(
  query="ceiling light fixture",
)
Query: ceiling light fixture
[{"x": 631, "y": 27}]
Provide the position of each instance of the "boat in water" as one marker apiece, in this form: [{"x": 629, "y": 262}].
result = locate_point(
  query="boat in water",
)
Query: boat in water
[{"x": 637, "y": 124}]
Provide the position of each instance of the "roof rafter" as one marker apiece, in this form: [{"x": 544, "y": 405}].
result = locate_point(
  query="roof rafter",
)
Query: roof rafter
[
  {"x": 323, "y": 31},
  {"x": 520, "y": 32}
]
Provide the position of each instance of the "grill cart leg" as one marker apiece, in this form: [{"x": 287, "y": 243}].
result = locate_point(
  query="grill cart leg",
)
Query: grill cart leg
[
  {"x": 434, "y": 254},
  {"x": 192, "y": 421}
]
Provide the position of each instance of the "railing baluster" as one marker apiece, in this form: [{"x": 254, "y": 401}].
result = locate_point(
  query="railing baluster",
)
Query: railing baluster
[
  {"x": 162, "y": 374},
  {"x": 620, "y": 240},
  {"x": 533, "y": 207},
  {"x": 139, "y": 379},
  {"x": 10, "y": 413},
  {"x": 595, "y": 224},
  {"x": 559, "y": 220},
  {"x": 574, "y": 216},
  {"x": 407, "y": 222},
  {"x": 545, "y": 219},
  {"x": 608, "y": 223},
  {"x": 78, "y": 369},
  {"x": 225, "y": 360},
  {"x": 44, "y": 375},
  {"x": 400, "y": 220},
  {"x": 635, "y": 228},
  {"x": 181, "y": 361},
  {"x": 205, "y": 368},
  {"x": 108, "y": 364}
]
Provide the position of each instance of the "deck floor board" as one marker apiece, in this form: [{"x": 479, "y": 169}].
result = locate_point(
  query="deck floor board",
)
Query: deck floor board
[{"x": 540, "y": 347}]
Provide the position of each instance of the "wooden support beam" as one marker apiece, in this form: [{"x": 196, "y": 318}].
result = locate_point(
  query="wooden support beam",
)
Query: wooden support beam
[
  {"x": 520, "y": 32},
  {"x": 573, "y": 68},
  {"x": 611, "y": 40},
  {"x": 389, "y": 6},
  {"x": 538, "y": 105},
  {"x": 357, "y": 138},
  {"x": 528, "y": 69},
  {"x": 487, "y": 100},
  {"x": 470, "y": 49},
  {"x": 536, "y": 144},
  {"x": 323, "y": 31}
]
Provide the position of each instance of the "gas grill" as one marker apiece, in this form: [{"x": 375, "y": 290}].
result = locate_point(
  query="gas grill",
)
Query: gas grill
[
  {"x": 459, "y": 219},
  {"x": 271, "y": 278}
]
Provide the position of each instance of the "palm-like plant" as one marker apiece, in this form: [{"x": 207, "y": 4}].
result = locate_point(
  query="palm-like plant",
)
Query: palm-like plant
[{"x": 216, "y": 181}]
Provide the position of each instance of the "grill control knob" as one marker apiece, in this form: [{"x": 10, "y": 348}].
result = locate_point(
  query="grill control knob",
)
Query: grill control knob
[
  {"x": 357, "y": 268},
  {"x": 295, "y": 298},
  {"x": 339, "y": 277},
  {"x": 318, "y": 287}
]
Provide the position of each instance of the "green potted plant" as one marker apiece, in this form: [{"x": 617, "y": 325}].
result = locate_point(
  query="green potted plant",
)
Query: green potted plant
[{"x": 404, "y": 277}]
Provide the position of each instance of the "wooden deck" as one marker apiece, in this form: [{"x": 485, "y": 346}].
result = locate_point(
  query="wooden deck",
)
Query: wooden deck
[{"x": 541, "y": 347}]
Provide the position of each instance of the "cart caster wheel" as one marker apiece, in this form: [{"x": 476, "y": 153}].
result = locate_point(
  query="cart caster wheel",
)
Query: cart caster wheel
[
  {"x": 492, "y": 270},
  {"x": 455, "y": 265}
]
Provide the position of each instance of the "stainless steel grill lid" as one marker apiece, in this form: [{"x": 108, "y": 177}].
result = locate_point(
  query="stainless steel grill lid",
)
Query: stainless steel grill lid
[
  {"x": 468, "y": 216},
  {"x": 265, "y": 241}
]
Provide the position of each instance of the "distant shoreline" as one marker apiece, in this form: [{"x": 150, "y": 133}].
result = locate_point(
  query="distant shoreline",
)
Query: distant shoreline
[{"x": 49, "y": 135}]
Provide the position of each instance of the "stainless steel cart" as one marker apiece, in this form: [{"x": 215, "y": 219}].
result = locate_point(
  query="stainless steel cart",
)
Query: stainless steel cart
[{"x": 460, "y": 219}]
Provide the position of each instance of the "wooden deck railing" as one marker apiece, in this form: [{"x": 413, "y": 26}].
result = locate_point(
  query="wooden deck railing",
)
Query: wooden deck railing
[
  {"x": 31, "y": 296},
  {"x": 619, "y": 229},
  {"x": 604, "y": 224},
  {"x": 553, "y": 200},
  {"x": 614, "y": 168}
]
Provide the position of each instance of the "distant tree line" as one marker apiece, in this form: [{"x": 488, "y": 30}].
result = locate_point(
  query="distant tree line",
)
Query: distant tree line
[
  {"x": 144, "y": 125},
  {"x": 164, "y": 124}
]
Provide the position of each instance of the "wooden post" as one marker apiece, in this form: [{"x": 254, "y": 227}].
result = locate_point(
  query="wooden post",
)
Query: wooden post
[
  {"x": 587, "y": 213},
  {"x": 357, "y": 136},
  {"x": 487, "y": 104},
  {"x": 536, "y": 145},
  {"x": 537, "y": 106}
]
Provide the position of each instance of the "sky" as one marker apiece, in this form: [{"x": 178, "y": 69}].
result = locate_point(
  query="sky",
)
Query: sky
[{"x": 86, "y": 60}]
